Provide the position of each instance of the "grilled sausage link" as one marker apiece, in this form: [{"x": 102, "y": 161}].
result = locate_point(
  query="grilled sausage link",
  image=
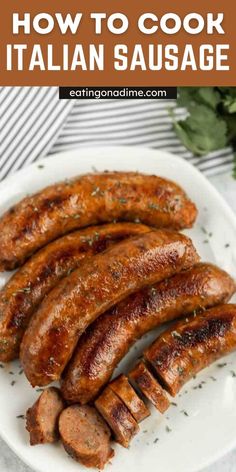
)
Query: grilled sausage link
[
  {"x": 191, "y": 345},
  {"x": 100, "y": 283},
  {"x": 88, "y": 200},
  {"x": 110, "y": 337},
  {"x": 27, "y": 288}
]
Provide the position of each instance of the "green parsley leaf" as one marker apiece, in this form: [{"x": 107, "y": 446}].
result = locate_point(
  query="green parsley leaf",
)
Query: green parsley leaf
[
  {"x": 201, "y": 95},
  {"x": 234, "y": 167},
  {"x": 202, "y": 131}
]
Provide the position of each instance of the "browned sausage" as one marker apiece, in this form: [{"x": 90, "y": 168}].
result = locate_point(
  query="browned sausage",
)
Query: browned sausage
[
  {"x": 191, "y": 345},
  {"x": 88, "y": 200},
  {"x": 127, "y": 394},
  {"x": 81, "y": 297},
  {"x": 85, "y": 436},
  {"x": 42, "y": 417},
  {"x": 27, "y": 288},
  {"x": 149, "y": 386},
  {"x": 109, "y": 338},
  {"x": 117, "y": 416}
]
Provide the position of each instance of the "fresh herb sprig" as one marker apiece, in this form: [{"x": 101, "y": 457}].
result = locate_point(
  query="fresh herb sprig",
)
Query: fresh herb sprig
[{"x": 211, "y": 121}]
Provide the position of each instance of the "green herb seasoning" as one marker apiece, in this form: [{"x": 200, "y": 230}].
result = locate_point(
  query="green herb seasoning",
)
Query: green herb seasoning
[
  {"x": 22, "y": 290},
  {"x": 176, "y": 335},
  {"x": 97, "y": 192},
  {"x": 210, "y": 124},
  {"x": 180, "y": 370},
  {"x": 154, "y": 206}
]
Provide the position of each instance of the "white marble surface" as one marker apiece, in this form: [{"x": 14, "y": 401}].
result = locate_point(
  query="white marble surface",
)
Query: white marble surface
[{"x": 8, "y": 460}]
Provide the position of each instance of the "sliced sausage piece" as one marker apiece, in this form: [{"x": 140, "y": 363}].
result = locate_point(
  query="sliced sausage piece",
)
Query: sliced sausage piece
[
  {"x": 149, "y": 386},
  {"x": 88, "y": 200},
  {"x": 90, "y": 290},
  {"x": 191, "y": 345},
  {"x": 42, "y": 417},
  {"x": 110, "y": 337},
  {"x": 117, "y": 416},
  {"x": 27, "y": 288},
  {"x": 85, "y": 436},
  {"x": 127, "y": 394}
]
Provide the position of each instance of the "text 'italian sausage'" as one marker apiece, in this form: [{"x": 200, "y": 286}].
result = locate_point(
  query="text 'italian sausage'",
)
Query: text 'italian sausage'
[
  {"x": 88, "y": 200},
  {"x": 110, "y": 337},
  {"x": 191, "y": 345},
  {"x": 40, "y": 274},
  {"x": 100, "y": 283}
]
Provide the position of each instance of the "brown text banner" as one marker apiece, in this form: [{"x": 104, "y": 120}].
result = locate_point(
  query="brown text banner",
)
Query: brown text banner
[{"x": 118, "y": 43}]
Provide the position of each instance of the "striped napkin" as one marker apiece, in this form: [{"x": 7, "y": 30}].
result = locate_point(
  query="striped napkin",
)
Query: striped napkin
[{"x": 35, "y": 123}]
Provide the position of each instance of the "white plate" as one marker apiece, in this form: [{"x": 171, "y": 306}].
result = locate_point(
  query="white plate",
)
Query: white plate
[{"x": 209, "y": 430}]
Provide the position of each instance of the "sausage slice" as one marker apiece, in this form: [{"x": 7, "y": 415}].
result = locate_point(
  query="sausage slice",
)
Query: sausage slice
[
  {"x": 149, "y": 386},
  {"x": 127, "y": 394},
  {"x": 42, "y": 417},
  {"x": 26, "y": 289},
  {"x": 109, "y": 338},
  {"x": 88, "y": 200},
  {"x": 85, "y": 436},
  {"x": 117, "y": 416},
  {"x": 191, "y": 345},
  {"x": 89, "y": 291}
]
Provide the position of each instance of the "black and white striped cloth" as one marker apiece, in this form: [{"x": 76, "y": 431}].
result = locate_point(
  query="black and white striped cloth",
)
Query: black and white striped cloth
[{"x": 35, "y": 123}]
